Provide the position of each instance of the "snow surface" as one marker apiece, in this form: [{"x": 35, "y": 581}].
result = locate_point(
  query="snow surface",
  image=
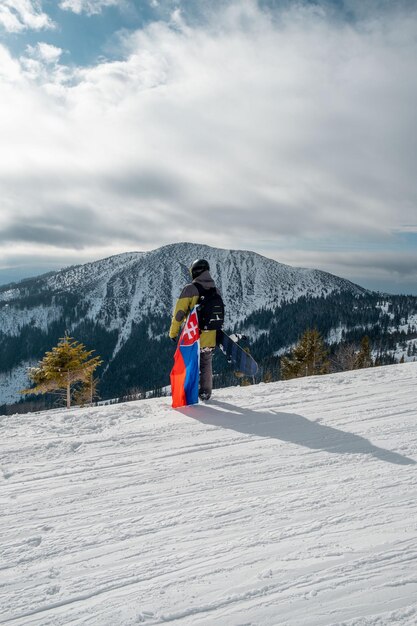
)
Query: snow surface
[
  {"x": 13, "y": 381},
  {"x": 405, "y": 325},
  {"x": 401, "y": 352},
  {"x": 13, "y": 319},
  {"x": 292, "y": 503}
]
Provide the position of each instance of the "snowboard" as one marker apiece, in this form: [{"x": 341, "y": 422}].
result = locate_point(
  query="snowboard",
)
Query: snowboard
[{"x": 245, "y": 364}]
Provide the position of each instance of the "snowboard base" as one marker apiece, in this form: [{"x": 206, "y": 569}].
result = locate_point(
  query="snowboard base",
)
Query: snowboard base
[{"x": 236, "y": 355}]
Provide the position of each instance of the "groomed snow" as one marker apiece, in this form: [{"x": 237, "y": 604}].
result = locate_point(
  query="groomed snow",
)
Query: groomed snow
[{"x": 284, "y": 504}]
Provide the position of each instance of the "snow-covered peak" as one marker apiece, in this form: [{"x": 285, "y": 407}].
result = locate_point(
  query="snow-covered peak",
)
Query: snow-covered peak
[
  {"x": 79, "y": 276},
  {"x": 123, "y": 289}
]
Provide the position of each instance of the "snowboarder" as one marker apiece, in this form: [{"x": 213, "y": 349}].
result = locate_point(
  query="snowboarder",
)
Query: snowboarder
[{"x": 200, "y": 288}]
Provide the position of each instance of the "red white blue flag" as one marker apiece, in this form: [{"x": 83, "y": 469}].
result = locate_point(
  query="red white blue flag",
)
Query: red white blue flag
[{"x": 185, "y": 375}]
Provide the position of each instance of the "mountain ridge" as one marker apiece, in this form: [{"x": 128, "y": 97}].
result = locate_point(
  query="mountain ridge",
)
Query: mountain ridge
[
  {"x": 287, "y": 282},
  {"x": 119, "y": 290},
  {"x": 121, "y": 306}
]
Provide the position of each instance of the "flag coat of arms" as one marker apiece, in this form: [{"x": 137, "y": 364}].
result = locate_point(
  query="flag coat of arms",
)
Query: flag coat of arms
[{"x": 185, "y": 375}]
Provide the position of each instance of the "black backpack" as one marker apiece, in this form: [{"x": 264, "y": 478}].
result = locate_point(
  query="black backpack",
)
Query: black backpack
[{"x": 210, "y": 310}]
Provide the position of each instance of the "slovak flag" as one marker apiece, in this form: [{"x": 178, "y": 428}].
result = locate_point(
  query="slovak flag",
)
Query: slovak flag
[{"x": 185, "y": 375}]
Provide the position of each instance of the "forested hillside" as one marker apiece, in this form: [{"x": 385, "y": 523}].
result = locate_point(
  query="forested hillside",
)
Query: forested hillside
[{"x": 121, "y": 308}]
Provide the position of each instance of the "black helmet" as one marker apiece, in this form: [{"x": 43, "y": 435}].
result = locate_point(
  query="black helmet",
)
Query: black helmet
[{"x": 198, "y": 267}]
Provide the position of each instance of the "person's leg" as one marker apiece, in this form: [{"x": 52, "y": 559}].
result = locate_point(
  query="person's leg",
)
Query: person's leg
[{"x": 206, "y": 373}]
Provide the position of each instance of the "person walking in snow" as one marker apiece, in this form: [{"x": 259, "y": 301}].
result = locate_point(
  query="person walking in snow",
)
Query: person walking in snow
[{"x": 203, "y": 291}]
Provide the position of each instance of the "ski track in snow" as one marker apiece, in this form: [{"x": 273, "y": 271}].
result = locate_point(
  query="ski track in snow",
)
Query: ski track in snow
[{"x": 283, "y": 504}]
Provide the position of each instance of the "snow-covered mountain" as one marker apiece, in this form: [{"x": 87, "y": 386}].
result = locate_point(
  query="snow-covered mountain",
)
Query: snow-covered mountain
[
  {"x": 121, "y": 307},
  {"x": 116, "y": 291},
  {"x": 287, "y": 504}
]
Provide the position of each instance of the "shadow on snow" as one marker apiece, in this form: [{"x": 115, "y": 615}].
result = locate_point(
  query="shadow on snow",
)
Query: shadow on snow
[{"x": 290, "y": 427}]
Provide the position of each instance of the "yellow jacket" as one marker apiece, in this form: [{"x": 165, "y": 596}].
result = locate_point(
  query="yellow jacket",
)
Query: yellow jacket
[{"x": 186, "y": 302}]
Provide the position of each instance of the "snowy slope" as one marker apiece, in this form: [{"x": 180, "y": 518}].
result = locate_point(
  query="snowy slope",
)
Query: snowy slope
[{"x": 285, "y": 504}]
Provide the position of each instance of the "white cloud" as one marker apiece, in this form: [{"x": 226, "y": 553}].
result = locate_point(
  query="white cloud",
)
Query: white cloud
[
  {"x": 41, "y": 63},
  {"x": 251, "y": 126},
  {"x": 46, "y": 52},
  {"x": 19, "y": 15},
  {"x": 374, "y": 263},
  {"x": 10, "y": 70},
  {"x": 394, "y": 272},
  {"x": 90, "y": 7}
]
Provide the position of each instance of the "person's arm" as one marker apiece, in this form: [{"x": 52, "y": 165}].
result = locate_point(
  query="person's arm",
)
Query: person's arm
[{"x": 187, "y": 300}]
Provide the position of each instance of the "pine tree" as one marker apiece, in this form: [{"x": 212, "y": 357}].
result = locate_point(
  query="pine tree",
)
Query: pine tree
[
  {"x": 308, "y": 358},
  {"x": 65, "y": 365},
  {"x": 364, "y": 358}
]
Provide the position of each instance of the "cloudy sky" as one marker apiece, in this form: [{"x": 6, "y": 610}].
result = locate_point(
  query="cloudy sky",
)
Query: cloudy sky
[{"x": 284, "y": 127}]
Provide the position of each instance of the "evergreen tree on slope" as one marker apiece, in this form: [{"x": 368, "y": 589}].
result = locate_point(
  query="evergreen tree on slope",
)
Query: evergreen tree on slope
[
  {"x": 65, "y": 365},
  {"x": 308, "y": 358},
  {"x": 364, "y": 358}
]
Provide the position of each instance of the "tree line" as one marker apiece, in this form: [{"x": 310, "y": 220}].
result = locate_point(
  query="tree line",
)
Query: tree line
[
  {"x": 310, "y": 357},
  {"x": 69, "y": 372}
]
